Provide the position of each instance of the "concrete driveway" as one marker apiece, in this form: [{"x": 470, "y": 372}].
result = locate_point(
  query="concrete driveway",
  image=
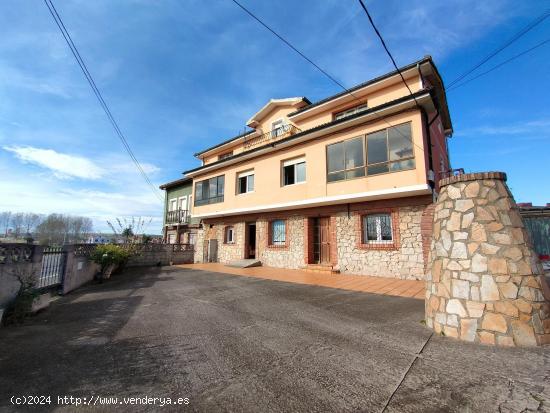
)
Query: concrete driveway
[{"x": 230, "y": 343}]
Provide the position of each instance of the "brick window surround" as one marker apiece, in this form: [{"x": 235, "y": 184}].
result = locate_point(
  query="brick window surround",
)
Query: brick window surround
[
  {"x": 375, "y": 246},
  {"x": 270, "y": 234}
]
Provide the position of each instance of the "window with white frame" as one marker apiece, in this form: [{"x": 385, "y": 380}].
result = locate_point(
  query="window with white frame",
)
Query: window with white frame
[
  {"x": 182, "y": 202},
  {"x": 173, "y": 204},
  {"x": 351, "y": 111},
  {"x": 377, "y": 229},
  {"x": 229, "y": 235},
  {"x": 245, "y": 182},
  {"x": 277, "y": 128},
  {"x": 277, "y": 232},
  {"x": 294, "y": 171}
]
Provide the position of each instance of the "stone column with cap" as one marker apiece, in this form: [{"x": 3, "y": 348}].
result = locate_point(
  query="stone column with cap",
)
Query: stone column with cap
[{"x": 485, "y": 283}]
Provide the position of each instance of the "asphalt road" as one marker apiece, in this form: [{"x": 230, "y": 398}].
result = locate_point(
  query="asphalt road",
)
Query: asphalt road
[{"x": 230, "y": 343}]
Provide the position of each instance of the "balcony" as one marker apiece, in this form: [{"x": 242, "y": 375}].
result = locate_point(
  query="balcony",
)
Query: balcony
[
  {"x": 272, "y": 136},
  {"x": 179, "y": 216}
]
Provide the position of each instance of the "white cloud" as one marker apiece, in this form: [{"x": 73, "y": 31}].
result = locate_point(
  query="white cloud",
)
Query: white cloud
[
  {"x": 62, "y": 165},
  {"x": 539, "y": 128}
]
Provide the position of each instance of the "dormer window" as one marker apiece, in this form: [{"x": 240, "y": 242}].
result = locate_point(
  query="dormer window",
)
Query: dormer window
[
  {"x": 277, "y": 128},
  {"x": 351, "y": 111},
  {"x": 225, "y": 155}
]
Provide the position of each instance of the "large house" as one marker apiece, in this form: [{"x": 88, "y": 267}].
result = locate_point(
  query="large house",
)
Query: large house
[
  {"x": 179, "y": 226},
  {"x": 343, "y": 184}
]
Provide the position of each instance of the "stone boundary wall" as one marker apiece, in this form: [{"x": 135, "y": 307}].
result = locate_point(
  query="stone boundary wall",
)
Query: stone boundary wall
[{"x": 485, "y": 282}]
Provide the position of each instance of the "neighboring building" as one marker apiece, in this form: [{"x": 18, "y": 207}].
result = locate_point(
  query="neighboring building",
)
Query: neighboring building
[
  {"x": 343, "y": 184},
  {"x": 179, "y": 227},
  {"x": 537, "y": 222}
]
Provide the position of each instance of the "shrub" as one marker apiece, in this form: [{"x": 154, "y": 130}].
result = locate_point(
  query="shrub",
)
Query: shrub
[
  {"x": 21, "y": 306},
  {"x": 108, "y": 255}
]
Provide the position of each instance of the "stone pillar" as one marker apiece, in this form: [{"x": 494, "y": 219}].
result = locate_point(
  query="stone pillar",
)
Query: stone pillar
[{"x": 485, "y": 284}]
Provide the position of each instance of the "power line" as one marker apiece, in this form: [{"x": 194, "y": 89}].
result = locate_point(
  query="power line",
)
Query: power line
[
  {"x": 105, "y": 107},
  {"x": 499, "y": 65},
  {"x": 393, "y": 61},
  {"x": 386, "y": 48},
  {"x": 519, "y": 34},
  {"x": 319, "y": 68},
  {"x": 290, "y": 45}
]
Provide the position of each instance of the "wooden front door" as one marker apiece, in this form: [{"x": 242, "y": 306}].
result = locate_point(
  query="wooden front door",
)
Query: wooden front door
[
  {"x": 321, "y": 240},
  {"x": 250, "y": 249}
]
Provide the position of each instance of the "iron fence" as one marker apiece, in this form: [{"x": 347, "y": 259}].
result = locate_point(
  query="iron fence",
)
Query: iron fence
[{"x": 53, "y": 267}]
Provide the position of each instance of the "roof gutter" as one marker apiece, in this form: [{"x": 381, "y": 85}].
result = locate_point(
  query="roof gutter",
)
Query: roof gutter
[{"x": 306, "y": 135}]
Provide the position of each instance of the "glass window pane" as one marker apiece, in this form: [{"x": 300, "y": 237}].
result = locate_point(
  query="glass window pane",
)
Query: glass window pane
[
  {"x": 278, "y": 232},
  {"x": 369, "y": 228},
  {"x": 250, "y": 183},
  {"x": 336, "y": 176},
  {"x": 221, "y": 185},
  {"x": 198, "y": 191},
  {"x": 301, "y": 172},
  {"x": 354, "y": 153},
  {"x": 335, "y": 157},
  {"x": 288, "y": 175},
  {"x": 400, "y": 166},
  {"x": 213, "y": 187},
  {"x": 400, "y": 142},
  {"x": 385, "y": 227},
  {"x": 355, "y": 173},
  {"x": 242, "y": 185},
  {"x": 377, "y": 150},
  {"x": 377, "y": 169}
]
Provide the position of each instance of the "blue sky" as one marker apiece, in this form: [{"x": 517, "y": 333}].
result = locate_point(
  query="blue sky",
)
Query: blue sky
[{"x": 181, "y": 75}]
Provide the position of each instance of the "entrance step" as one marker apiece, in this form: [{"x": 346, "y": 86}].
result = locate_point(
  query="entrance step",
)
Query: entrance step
[
  {"x": 245, "y": 263},
  {"x": 321, "y": 268}
]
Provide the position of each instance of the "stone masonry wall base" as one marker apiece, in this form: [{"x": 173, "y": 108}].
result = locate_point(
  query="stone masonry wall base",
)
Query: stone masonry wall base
[{"x": 485, "y": 283}]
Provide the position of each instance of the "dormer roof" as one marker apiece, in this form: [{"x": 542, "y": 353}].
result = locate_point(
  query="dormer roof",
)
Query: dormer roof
[{"x": 297, "y": 103}]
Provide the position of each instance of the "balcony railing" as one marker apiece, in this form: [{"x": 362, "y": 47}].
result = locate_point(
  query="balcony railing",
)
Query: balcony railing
[
  {"x": 276, "y": 134},
  {"x": 179, "y": 216}
]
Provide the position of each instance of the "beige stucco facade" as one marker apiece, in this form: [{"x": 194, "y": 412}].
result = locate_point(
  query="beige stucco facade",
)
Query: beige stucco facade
[{"x": 311, "y": 128}]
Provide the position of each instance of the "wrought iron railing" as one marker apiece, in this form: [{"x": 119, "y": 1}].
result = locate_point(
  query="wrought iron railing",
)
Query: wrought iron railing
[
  {"x": 179, "y": 216},
  {"x": 274, "y": 135}
]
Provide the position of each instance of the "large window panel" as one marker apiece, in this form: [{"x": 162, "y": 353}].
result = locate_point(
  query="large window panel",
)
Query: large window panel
[
  {"x": 335, "y": 157},
  {"x": 346, "y": 160},
  {"x": 390, "y": 150},
  {"x": 209, "y": 191}
]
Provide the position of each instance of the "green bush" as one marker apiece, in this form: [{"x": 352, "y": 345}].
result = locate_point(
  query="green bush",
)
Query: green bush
[{"x": 110, "y": 254}]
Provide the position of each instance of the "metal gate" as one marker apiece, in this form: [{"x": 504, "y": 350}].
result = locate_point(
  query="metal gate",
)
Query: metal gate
[{"x": 53, "y": 267}]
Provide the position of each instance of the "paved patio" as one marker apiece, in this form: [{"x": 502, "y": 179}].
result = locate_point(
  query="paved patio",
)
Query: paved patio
[
  {"x": 362, "y": 283},
  {"x": 246, "y": 344}
]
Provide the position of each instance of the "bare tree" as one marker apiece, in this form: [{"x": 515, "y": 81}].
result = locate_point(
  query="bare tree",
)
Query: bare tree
[
  {"x": 30, "y": 222},
  {"x": 58, "y": 229},
  {"x": 17, "y": 224},
  {"x": 131, "y": 230},
  {"x": 5, "y": 219}
]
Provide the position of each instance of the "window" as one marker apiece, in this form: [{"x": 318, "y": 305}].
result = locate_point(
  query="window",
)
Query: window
[
  {"x": 225, "y": 155},
  {"x": 245, "y": 182},
  {"x": 294, "y": 171},
  {"x": 277, "y": 128},
  {"x": 173, "y": 205},
  {"x": 229, "y": 235},
  {"x": 278, "y": 232},
  {"x": 349, "y": 112},
  {"x": 192, "y": 238},
  {"x": 377, "y": 229},
  {"x": 390, "y": 150},
  {"x": 346, "y": 160},
  {"x": 209, "y": 191},
  {"x": 182, "y": 202}
]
